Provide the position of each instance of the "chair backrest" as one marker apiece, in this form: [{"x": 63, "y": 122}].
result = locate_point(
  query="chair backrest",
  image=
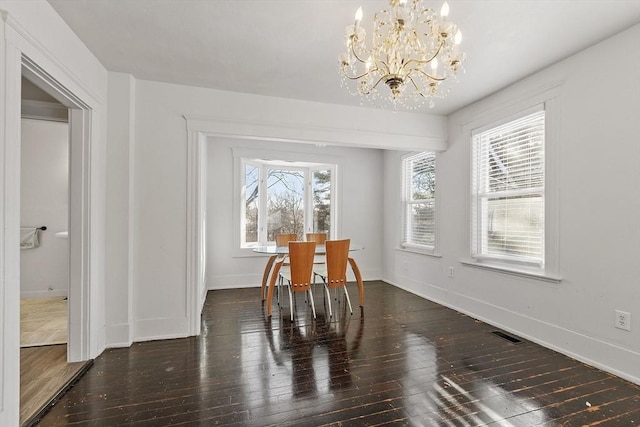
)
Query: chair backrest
[
  {"x": 285, "y": 238},
  {"x": 337, "y": 258},
  {"x": 319, "y": 238},
  {"x": 301, "y": 264}
]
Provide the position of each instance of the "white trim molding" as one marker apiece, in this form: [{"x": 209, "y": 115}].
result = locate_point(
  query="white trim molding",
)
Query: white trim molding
[{"x": 313, "y": 134}]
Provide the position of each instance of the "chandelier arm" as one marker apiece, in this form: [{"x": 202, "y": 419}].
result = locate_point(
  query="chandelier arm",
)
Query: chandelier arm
[
  {"x": 438, "y": 79},
  {"x": 374, "y": 86},
  {"x": 425, "y": 61},
  {"x": 416, "y": 86},
  {"x": 353, "y": 49},
  {"x": 344, "y": 73}
]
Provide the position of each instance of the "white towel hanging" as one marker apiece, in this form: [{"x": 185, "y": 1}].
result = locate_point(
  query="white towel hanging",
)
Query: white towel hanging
[{"x": 29, "y": 238}]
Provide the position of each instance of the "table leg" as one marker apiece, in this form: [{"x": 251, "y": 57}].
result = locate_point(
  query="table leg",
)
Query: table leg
[
  {"x": 356, "y": 271},
  {"x": 272, "y": 285},
  {"x": 265, "y": 276}
]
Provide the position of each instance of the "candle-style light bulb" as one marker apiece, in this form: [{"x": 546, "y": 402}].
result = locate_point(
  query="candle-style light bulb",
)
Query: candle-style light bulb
[
  {"x": 444, "y": 11},
  {"x": 358, "y": 15},
  {"x": 368, "y": 63},
  {"x": 458, "y": 37},
  {"x": 434, "y": 67}
]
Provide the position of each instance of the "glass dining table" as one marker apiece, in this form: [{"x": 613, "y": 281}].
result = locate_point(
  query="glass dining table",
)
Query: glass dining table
[{"x": 277, "y": 257}]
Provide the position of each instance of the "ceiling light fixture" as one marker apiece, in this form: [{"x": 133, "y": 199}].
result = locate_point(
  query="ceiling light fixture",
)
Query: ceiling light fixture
[{"x": 415, "y": 53}]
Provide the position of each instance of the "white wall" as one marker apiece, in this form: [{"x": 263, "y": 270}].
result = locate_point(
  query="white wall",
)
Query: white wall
[
  {"x": 359, "y": 205},
  {"x": 44, "y": 201},
  {"x": 599, "y": 184}
]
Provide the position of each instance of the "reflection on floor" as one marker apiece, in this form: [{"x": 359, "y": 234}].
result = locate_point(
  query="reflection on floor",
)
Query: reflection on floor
[
  {"x": 402, "y": 361},
  {"x": 43, "y": 321}
]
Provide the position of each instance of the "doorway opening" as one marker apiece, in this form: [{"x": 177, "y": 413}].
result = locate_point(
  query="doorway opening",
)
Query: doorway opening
[
  {"x": 44, "y": 218},
  {"x": 54, "y": 193}
]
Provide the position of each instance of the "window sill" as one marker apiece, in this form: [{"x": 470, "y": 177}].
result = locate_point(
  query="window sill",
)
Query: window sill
[
  {"x": 512, "y": 271},
  {"x": 419, "y": 251}
]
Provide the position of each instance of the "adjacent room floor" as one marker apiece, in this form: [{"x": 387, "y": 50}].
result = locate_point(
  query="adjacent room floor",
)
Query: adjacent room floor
[
  {"x": 402, "y": 360},
  {"x": 43, "y": 321},
  {"x": 44, "y": 371}
]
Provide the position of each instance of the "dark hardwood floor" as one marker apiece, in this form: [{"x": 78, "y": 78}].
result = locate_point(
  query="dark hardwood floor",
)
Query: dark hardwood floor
[{"x": 402, "y": 361}]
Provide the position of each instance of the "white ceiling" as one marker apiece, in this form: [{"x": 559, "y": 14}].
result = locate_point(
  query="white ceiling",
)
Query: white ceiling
[{"x": 289, "y": 48}]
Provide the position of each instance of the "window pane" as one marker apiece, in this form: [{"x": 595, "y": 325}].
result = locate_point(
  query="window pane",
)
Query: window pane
[
  {"x": 251, "y": 179},
  {"x": 515, "y": 158},
  {"x": 423, "y": 177},
  {"x": 285, "y": 202},
  {"x": 422, "y": 223},
  {"x": 515, "y": 227},
  {"x": 321, "y": 186}
]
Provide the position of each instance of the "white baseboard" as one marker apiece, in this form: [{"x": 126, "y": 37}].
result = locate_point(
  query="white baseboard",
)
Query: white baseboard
[
  {"x": 160, "y": 329},
  {"x": 118, "y": 336},
  {"x": 589, "y": 350},
  {"x": 234, "y": 281}
]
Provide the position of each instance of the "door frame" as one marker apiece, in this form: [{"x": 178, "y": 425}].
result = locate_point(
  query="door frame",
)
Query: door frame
[
  {"x": 79, "y": 207},
  {"x": 21, "y": 54}
]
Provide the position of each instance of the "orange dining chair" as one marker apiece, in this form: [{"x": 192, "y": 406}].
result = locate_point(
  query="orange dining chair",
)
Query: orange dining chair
[
  {"x": 281, "y": 240},
  {"x": 319, "y": 238},
  {"x": 285, "y": 238},
  {"x": 334, "y": 271},
  {"x": 298, "y": 275}
]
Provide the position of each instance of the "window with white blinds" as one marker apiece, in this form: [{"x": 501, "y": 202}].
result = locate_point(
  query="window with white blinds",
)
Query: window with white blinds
[
  {"x": 419, "y": 224},
  {"x": 508, "y": 180}
]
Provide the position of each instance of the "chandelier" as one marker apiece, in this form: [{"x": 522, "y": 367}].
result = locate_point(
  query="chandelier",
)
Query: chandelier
[{"x": 413, "y": 58}]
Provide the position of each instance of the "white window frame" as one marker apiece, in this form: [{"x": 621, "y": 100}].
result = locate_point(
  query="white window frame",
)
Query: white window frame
[
  {"x": 549, "y": 99},
  {"x": 479, "y": 219},
  {"x": 407, "y": 160},
  {"x": 271, "y": 158}
]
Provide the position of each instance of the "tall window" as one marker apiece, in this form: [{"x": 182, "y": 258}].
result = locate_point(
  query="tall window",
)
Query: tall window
[
  {"x": 285, "y": 197},
  {"x": 419, "y": 225},
  {"x": 508, "y": 180}
]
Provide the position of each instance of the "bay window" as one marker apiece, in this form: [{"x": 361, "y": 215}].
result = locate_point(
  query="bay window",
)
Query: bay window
[{"x": 285, "y": 197}]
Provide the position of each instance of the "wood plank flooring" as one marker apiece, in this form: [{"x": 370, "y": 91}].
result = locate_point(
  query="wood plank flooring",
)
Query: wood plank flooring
[
  {"x": 43, "y": 321},
  {"x": 400, "y": 361},
  {"x": 44, "y": 373}
]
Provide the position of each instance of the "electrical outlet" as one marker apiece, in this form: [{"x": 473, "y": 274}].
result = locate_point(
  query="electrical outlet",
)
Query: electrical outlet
[
  {"x": 405, "y": 265},
  {"x": 623, "y": 320},
  {"x": 450, "y": 271}
]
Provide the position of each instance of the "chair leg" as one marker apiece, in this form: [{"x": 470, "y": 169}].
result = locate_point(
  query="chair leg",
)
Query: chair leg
[
  {"x": 346, "y": 293},
  {"x": 313, "y": 305},
  {"x": 290, "y": 301},
  {"x": 278, "y": 289},
  {"x": 326, "y": 288}
]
